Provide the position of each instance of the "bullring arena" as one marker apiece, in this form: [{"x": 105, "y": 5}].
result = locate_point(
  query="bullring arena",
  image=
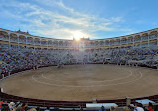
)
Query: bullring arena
[
  {"x": 47, "y": 72},
  {"x": 83, "y": 82}
]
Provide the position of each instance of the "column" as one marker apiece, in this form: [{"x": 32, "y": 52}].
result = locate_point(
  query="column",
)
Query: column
[
  {"x": 141, "y": 41},
  {"x": 120, "y": 42},
  {"x": 26, "y": 42},
  {"x": 133, "y": 41},
  {"x": 18, "y": 41},
  {"x": 40, "y": 44},
  {"x": 128, "y": 101},
  {"x": 3, "y": 75},
  {"x": 109, "y": 44},
  {"x": 157, "y": 39},
  {"x": 34, "y": 44},
  {"x": 47, "y": 44},
  {"x": 148, "y": 40},
  {"x": 9, "y": 40}
]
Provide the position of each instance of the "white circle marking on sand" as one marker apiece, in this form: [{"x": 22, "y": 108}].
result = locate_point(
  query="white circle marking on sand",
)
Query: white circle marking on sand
[
  {"x": 141, "y": 75},
  {"x": 93, "y": 80}
]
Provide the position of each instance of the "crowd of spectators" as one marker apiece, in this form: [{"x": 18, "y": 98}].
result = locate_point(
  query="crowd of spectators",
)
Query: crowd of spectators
[
  {"x": 140, "y": 107},
  {"x": 4, "y": 106},
  {"x": 18, "y": 106},
  {"x": 15, "y": 60},
  {"x": 146, "y": 56}
]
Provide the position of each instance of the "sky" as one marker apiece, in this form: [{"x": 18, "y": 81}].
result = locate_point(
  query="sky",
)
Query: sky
[{"x": 65, "y": 19}]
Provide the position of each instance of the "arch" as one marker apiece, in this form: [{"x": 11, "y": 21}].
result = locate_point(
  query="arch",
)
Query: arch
[
  {"x": 116, "y": 41},
  {"x": 130, "y": 39},
  {"x": 22, "y": 39},
  {"x": 29, "y": 40},
  {"x": 50, "y": 42},
  {"x": 97, "y": 43},
  {"x": 22, "y": 36},
  {"x": 123, "y": 38},
  {"x": 37, "y": 41},
  {"x": 43, "y": 42},
  {"x": 29, "y": 37},
  {"x": 60, "y": 42},
  {"x": 153, "y": 32},
  {"x": 4, "y": 35},
  {"x": 101, "y": 41},
  {"x": 107, "y": 42},
  {"x": 92, "y": 42},
  {"x": 137, "y": 36},
  {"x": 145, "y": 37},
  {"x": 153, "y": 35},
  {"x": 111, "y": 40},
  {"x": 13, "y": 37},
  {"x": 55, "y": 43},
  {"x": 145, "y": 34}
]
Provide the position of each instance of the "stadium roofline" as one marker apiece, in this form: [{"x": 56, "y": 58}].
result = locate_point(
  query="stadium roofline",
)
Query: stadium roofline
[{"x": 47, "y": 38}]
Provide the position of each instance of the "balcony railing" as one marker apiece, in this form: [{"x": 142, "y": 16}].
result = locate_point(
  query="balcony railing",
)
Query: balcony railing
[{"x": 92, "y": 45}]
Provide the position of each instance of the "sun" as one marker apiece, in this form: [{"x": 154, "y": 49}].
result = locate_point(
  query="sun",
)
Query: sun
[
  {"x": 78, "y": 35},
  {"x": 77, "y": 38}
]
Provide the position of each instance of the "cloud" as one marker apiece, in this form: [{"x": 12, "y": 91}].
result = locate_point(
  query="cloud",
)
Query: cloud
[{"x": 49, "y": 23}]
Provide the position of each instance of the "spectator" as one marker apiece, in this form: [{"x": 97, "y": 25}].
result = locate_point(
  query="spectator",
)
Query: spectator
[
  {"x": 48, "y": 109},
  {"x": 12, "y": 106},
  {"x": 32, "y": 109},
  {"x": 150, "y": 107},
  {"x": 138, "y": 107},
  {"x": 1, "y": 102},
  {"x": 102, "y": 109},
  {"x": 5, "y": 106},
  {"x": 23, "y": 107}
]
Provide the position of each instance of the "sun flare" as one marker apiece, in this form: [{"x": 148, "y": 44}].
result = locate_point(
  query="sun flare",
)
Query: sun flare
[{"x": 78, "y": 35}]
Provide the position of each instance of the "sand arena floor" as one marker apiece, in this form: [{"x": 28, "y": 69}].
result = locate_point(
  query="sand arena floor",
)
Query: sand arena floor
[{"x": 83, "y": 82}]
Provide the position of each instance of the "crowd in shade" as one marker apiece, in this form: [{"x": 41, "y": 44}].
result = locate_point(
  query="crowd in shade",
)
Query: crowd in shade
[
  {"x": 15, "y": 60},
  {"x": 4, "y": 106},
  {"x": 18, "y": 106},
  {"x": 146, "y": 56},
  {"x": 140, "y": 107}
]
